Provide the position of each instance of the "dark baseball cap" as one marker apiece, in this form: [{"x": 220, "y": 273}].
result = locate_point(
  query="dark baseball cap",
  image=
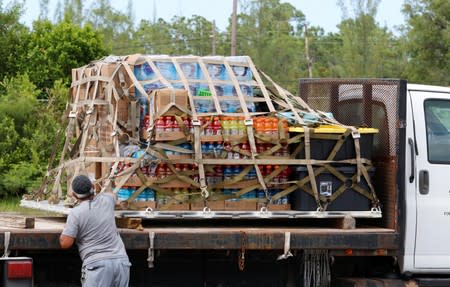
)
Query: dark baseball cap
[{"x": 82, "y": 186}]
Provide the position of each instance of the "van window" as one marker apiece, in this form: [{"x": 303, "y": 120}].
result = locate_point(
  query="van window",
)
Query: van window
[{"x": 437, "y": 120}]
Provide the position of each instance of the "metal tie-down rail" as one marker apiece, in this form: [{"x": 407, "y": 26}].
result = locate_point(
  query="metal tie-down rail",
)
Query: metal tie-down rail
[{"x": 210, "y": 214}]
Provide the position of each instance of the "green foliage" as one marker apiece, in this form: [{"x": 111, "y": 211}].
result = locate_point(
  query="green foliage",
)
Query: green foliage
[
  {"x": 115, "y": 27},
  {"x": 28, "y": 128},
  {"x": 181, "y": 37},
  {"x": 12, "y": 205},
  {"x": 428, "y": 41},
  {"x": 13, "y": 40},
  {"x": 324, "y": 52},
  {"x": 367, "y": 50},
  {"x": 268, "y": 31},
  {"x": 192, "y": 35},
  {"x": 55, "y": 49},
  {"x": 19, "y": 101},
  {"x": 153, "y": 38}
]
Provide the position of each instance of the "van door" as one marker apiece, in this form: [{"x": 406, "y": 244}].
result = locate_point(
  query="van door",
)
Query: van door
[{"x": 432, "y": 134}]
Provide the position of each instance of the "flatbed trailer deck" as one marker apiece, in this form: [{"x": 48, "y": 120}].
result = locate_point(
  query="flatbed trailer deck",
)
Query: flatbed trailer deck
[{"x": 218, "y": 235}]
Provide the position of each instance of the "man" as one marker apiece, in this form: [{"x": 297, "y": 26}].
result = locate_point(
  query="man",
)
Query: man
[{"x": 92, "y": 225}]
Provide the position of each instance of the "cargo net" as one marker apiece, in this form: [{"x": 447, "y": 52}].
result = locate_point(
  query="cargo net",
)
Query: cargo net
[
  {"x": 367, "y": 103},
  {"x": 204, "y": 133}
]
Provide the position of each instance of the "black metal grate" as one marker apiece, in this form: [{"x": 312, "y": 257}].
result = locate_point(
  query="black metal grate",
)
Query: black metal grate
[
  {"x": 373, "y": 103},
  {"x": 361, "y": 103}
]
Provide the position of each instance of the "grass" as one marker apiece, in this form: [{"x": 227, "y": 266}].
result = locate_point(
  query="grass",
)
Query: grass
[{"x": 12, "y": 205}]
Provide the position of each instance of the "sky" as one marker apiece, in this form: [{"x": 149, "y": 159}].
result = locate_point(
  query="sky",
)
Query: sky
[{"x": 323, "y": 13}]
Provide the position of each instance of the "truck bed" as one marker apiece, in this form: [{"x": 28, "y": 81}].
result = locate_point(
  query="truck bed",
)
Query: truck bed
[{"x": 224, "y": 235}]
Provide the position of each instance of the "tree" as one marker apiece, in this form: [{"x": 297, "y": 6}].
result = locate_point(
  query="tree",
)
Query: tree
[
  {"x": 43, "y": 9},
  {"x": 191, "y": 35},
  {"x": 428, "y": 41},
  {"x": 115, "y": 26},
  {"x": 269, "y": 32},
  {"x": 28, "y": 130},
  {"x": 13, "y": 40},
  {"x": 153, "y": 37},
  {"x": 367, "y": 49},
  {"x": 73, "y": 12},
  {"x": 55, "y": 49},
  {"x": 324, "y": 52}
]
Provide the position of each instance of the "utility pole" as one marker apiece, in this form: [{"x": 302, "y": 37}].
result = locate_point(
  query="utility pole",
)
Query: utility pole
[
  {"x": 233, "y": 28},
  {"x": 308, "y": 59},
  {"x": 213, "y": 38}
]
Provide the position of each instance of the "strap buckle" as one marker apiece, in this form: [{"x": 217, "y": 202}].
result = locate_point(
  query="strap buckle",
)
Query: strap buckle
[
  {"x": 356, "y": 134},
  {"x": 196, "y": 122},
  {"x": 73, "y": 114},
  {"x": 248, "y": 122},
  {"x": 204, "y": 191}
]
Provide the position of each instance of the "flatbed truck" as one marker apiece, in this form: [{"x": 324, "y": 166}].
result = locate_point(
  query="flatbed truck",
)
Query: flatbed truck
[{"x": 406, "y": 246}]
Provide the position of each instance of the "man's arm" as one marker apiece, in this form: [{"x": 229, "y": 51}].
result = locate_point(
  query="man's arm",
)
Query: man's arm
[
  {"x": 66, "y": 241},
  {"x": 69, "y": 233}
]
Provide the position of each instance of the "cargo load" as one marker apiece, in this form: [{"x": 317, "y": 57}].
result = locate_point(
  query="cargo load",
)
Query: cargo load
[{"x": 206, "y": 133}]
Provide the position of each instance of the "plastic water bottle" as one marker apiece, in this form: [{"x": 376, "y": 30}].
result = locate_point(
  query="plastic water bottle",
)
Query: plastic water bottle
[
  {"x": 141, "y": 196},
  {"x": 209, "y": 129},
  {"x": 227, "y": 173},
  {"x": 210, "y": 179},
  {"x": 241, "y": 126},
  {"x": 218, "y": 149},
  {"x": 227, "y": 147},
  {"x": 227, "y": 191},
  {"x": 186, "y": 123},
  {"x": 143, "y": 109},
  {"x": 161, "y": 171},
  {"x": 284, "y": 175},
  {"x": 149, "y": 194},
  {"x": 236, "y": 155},
  {"x": 123, "y": 194},
  {"x": 285, "y": 125},
  {"x": 168, "y": 124},
  {"x": 246, "y": 148},
  {"x": 268, "y": 127},
  {"x": 204, "y": 148},
  {"x": 274, "y": 127},
  {"x": 218, "y": 173},
  {"x": 251, "y": 174},
  {"x": 143, "y": 72},
  {"x": 217, "y": 128},
  {"x": 234, "y": 130},
  {"x": 236, "y": 170},
  {"x": 160, "y": 125},
  {"x": 169, "y": 152},
  {"x": 186, "y": 146},
  {"x": 260, "y": 194},
  {"x": 201, "y": 120},
  {"x": 169, "y": 172},
  {"x": 226, "y": 128},
  {"x": 233, "y": 192},
  {"x": 175, "y": 126},
  {"x": 210, "y": 147},
  {"x": 268, "y": 170},
  {"x": 258, "y": 126}
]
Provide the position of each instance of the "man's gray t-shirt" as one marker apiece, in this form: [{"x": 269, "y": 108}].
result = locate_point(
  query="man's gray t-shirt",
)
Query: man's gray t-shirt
[{"x": 93, "y": 225}]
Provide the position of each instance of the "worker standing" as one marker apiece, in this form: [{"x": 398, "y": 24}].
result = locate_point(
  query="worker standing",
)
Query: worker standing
[{"x": 91, "y": 224}]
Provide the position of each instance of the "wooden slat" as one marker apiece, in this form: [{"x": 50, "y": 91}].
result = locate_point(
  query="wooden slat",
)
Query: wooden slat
[
  {"x": 129, "y": 222},
  {"x": 16, "y": 221},
  {"x": 347, "y": 222}
]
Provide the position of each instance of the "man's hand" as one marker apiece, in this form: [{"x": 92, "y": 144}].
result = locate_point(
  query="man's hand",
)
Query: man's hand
[{"x": 66, "y": 241}]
